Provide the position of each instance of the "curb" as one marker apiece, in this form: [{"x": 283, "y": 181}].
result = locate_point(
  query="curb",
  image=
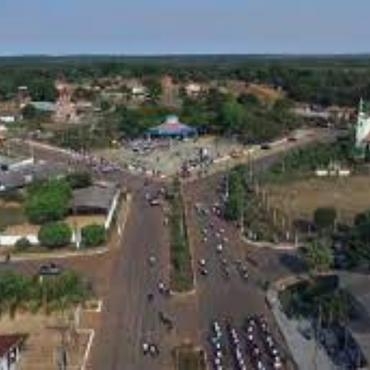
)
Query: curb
[
  {"x": 42, "y": 256},
  {"x": 266, "y": 244}
]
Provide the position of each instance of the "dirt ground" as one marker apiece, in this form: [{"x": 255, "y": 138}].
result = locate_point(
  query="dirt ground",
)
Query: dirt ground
[
  {"x": 265, "y": 93},
  {"x": 73, "y": 221},
  {"x": 41, "y": 347},
  {"x": 300, "y": 198}
]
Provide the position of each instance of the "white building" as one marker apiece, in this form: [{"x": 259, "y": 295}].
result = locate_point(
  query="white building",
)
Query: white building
[
  {"x": 192, "y": 89},
  {"x": 7, "y": 119},
  {"x": 10, "y": 347},
  {"x": 363, "y": 128}
]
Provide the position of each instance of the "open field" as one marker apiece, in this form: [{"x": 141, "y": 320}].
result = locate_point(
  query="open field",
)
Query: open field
[
  {"x": 300, "y": 198},
  {"x": 41, "y": 347}
]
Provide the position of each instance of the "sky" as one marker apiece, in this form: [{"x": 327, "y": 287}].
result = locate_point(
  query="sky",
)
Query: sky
[{"x": 147, "y": 27}]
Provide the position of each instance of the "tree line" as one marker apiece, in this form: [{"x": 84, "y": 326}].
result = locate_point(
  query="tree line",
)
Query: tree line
[{"x": 322, "y": 81}]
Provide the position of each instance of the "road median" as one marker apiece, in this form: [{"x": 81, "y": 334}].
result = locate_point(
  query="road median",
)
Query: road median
[{"x": 182, "y": 274}]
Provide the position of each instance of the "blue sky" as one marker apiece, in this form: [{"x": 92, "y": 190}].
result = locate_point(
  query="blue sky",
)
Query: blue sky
[{"x": 184, "y": 26}]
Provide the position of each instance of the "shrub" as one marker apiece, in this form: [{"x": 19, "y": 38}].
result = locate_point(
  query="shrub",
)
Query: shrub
[
  {"x": 55, "y": 235},
  {"x": 93, "y": 235},
  {"x": 48, "y": 201},
  {"x": 324, "y": 217},
  {"x": 22, "y": 244},
  {"x": 79, "y": 180}
]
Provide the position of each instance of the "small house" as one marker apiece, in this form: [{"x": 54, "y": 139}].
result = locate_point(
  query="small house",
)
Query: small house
[{"x": 95, "y": 199}]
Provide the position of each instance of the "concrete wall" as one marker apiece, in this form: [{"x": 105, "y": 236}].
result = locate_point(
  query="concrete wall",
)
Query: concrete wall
[
  {"x": 10, "y": 240},
  {"x": 3, "y": 363},
  {"x": 112, "y": 209},
  {"x": 23, "y": 163}
]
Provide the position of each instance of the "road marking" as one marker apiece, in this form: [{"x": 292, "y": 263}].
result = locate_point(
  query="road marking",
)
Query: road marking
[{"x": 91, "y": 333}]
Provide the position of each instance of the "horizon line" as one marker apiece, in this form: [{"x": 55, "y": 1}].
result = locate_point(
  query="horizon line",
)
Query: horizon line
[{"x": 195, "y": 54}]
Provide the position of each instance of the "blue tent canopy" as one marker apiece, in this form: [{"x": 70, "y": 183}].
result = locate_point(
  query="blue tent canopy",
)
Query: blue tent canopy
[{"x": 172, "y": 128}]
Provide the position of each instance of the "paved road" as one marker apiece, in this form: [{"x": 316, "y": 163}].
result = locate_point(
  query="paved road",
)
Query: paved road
[
  {"x": 232, "y": 299},
  {"x": 128, "y": 318}
]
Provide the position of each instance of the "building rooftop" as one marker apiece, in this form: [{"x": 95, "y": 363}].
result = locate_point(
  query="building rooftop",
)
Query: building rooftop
[
  {"x": 172, "y": 127},
  {"x": 96, "y": 198},
  {"x": 45, "y": 106},
  {"x": 7, "y": 342},
  {"x": 18, "y": 178}
]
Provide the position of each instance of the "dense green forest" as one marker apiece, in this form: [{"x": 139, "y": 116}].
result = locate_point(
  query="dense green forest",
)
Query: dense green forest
[{"x": 322, "y": 80}]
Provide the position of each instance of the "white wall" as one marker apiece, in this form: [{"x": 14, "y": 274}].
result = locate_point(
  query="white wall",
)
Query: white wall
[
  {"x": 112, "y": 210},
  {"x": 7, "y": 119},
  {"x": 3, "y": 363},
  {"x": 10, "y": 240},
  {"x": 25, "y": 162}
]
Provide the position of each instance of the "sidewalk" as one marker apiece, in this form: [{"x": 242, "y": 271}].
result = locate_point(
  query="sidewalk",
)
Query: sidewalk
[{"x": 307, "y": 354}]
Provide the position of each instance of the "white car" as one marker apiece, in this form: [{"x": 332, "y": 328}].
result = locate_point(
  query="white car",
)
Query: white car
[{"x": 219, "y": 248}]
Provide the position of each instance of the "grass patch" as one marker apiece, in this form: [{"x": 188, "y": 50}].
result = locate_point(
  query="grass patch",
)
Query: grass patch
[
  {"x": 181, "y": 269},
  {"x": 188, "y": 358},
  {"x": 349, "y": 196}
]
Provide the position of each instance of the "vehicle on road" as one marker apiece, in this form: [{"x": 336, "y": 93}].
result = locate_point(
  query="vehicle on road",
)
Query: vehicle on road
[
  {"x": 203, "y": 271},
  {"x": 165, "y": 320},
  {"x": 152, "y": 260},
  {"x": 202, "y": 262},
  {"x": 50, "y": 269},
  {"x": 154, "y": 202},
  {"x": 153, "y": 350}
]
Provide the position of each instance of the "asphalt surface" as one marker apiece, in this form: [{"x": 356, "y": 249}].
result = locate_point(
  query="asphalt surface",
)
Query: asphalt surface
[{"x": 128, "y": 317}]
